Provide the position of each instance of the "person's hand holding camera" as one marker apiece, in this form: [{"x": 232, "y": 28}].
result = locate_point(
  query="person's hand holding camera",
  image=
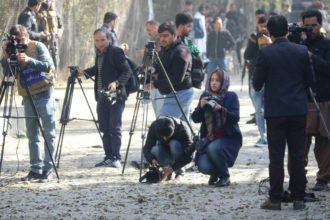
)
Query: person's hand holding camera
[
  {"x": 203, "y": 101},
  {"x": 154, "y": 163},
  {"x": 22, "y": 58},
  {"x": 112, "y": 87},
  {"x": 168, "y": 170}
]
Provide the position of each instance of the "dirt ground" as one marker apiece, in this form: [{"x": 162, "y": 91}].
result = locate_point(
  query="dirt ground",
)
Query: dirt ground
[{"x": 85, "y": 192}]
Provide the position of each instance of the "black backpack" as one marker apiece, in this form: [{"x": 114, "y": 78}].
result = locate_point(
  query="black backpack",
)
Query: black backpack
[
  {"x": 197, "y": 72},
  {"x": 132, "y": 84}
]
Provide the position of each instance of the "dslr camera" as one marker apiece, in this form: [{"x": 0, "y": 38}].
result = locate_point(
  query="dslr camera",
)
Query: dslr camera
[
  {"x": 13, "y": 47},
  {"x": 110, "y": 98},
  {"x": 211, "y": 102}
]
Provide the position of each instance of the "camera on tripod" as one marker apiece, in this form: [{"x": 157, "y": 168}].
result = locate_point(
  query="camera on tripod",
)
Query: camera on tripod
[
  {"x": 13, "y": 47},
  {"x": 211, "y": 102},
  {"x": 148, "y": 53},
  {"x": 108, "y": 97}
]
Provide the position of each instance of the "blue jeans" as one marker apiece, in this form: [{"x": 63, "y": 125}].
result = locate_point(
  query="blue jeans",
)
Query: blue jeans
[
  {"x": 46, "y": 107},
  {"x": 166, "y": 156},
  {"x": 171, "y": 107},
  {"x": 258, "y": 103},
  {"x": 110, "y": 122},
  {"x": 157, "y": 101},
  {"x": 213, "y": 161},
  {"x": 213, "y": 64}
]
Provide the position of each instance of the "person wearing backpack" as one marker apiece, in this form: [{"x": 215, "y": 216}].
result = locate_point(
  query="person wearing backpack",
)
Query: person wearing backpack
[{"x": 112, "y": 72}]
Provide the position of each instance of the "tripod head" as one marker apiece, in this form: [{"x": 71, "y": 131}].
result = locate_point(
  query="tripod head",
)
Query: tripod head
[{"x": 73, "y": 70}]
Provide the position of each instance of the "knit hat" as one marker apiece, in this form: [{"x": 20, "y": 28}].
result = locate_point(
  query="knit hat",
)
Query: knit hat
[
  {"x": 165, "y": 126},
  {"x": 32, "y": 3}
]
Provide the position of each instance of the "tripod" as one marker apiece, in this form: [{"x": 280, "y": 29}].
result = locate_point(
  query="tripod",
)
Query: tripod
[
  {"x": 150, "y": 55},
  {"x": 65, "y": 115},
  {"x": 8, "y": 83}
]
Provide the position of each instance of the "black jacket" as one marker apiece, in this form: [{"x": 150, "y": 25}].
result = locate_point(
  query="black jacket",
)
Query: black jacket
[
  {"x": 28, "y": 19},
  {"x": 181, "y": 133},
  {"x": 285, "y": 70},
  {"x": 114, "y": 67},
  {"x": 320, "y": 48},
  {"x": 218, "y": 43},
  {"x": 177, "y": 62},
  {"x": 251, "y": 52}
]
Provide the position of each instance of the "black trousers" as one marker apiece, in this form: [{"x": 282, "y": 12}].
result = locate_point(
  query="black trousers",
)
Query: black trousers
[{"x": 282, "y": 131}]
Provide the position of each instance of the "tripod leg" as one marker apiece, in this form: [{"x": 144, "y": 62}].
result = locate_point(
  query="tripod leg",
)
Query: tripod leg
[
  {"x": 6, "y": 115},
  {"x": 59, "y": 146},
  {"x": 90, "y": 109},
  {"x": 132, "y": 128}
]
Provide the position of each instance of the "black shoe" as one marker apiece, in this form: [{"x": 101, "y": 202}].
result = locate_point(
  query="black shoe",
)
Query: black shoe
[
  {"x": 320, "y": 186},
  {"x": 31, "y": 176},
  {"x": 179, "y": 172},
  {"x": 45, "y": 176},
  {"x": 252, "y": 121},
  {"x": 223, "y": 182},
  {"x": 270, "y": 205},
  {"x": 212, "y": 180},
  {"x": 105, "y": 162},
  {"x": 298, "y": 205}
]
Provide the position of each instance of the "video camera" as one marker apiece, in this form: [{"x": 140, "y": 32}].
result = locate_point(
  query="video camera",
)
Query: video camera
[
  {"x": 73, "y": 70},
  {"x": 110, "y": 98},
  {"x": 148, "y": 53},
  {"x": 296, "y": 28},
  {"x": 12, "y": 47},
  {"x": 296, "y": 31}
]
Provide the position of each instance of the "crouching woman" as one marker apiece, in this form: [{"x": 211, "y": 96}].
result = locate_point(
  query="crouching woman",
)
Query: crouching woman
[{"x": 221, "y": 138}]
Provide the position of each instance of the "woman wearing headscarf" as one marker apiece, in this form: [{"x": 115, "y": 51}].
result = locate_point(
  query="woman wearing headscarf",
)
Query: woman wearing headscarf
[{"x": 221, "y": 138}]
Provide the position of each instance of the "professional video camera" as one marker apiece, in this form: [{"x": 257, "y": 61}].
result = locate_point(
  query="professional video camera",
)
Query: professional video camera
[
  {"x": 295, "y": 32},
  {"x": 109, "y": 97},
  {"x": 148, "y": 54},
  {"x": 12, "y": 47},
  {"x": 211, "y": 102}
]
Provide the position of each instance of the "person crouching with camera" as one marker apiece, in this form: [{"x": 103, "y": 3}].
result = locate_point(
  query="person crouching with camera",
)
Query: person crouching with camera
[
  {"x": 169, "y": 145},
  {"x": 111, "y": 72},
  {"x": 221, "y": 138}
]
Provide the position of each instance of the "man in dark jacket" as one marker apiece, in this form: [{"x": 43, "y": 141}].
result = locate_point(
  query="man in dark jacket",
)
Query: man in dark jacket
[
  {"x": 111, "y": 72},
  {"x": 319, "y": 46},
  {"x": 169, "y": 144},
  {"x": 285, "y": 109},
  {"x": 176, "y": 59},
  {"x": 29, "y": 20},
  {"x": 218, "y": 42}
]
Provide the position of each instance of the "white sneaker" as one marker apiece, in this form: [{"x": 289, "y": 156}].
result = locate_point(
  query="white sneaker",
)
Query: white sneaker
[{"x": 116, "y": 164}]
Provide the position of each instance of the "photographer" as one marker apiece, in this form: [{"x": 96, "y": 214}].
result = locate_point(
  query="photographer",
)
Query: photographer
[
  {"x": 168, "y": 145},
  {"x": 218, "y": 111},
  {"x": 37, "y": 70},
  {"x": 319, "y": 46},
  {"x": 285, "y": 95},
  {"x": 28, "y": 19},
  {"x": 176, "y": 58},
  {"x": 111, "y": 72}
]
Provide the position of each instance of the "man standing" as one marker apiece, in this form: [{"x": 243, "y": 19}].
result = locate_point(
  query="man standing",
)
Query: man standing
[
  {"x": 176, "y": 58},
  {"x": 37, "y": 73},
  {"x": 109, "y": 23},
  {"x": 285, "y": 109},
  {"x": 319, "y": 46},
  {"x": 29, "y": 20},
  {"x": 111, "y": 72}
]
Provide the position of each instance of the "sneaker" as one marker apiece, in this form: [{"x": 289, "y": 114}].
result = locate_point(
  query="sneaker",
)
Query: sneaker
[
  {"x": 262, "y": 142},
  {"x": 31, "y": 176},
  {"x": 298, "y": 205},
  {"x": 223, "y": 182},
  {"x": 105, "y": 162},
  {"x": 252, "y": 121},
  {"x": 45, "y": 176},
  {"x": 320, "y": 185},
  {"x": 270, "y": 205},
  {"x": 116, "y": 164}
]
